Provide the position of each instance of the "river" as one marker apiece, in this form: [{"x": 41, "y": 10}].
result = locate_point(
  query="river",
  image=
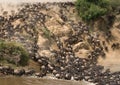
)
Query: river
[{"x": 38, "y": 81}]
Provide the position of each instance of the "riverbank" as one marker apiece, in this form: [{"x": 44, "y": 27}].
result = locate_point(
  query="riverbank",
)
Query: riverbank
[
  {"x": 59, "y": 42},
  {"x": 39, "y": 81},
  {"x": 31, "y": 81}
]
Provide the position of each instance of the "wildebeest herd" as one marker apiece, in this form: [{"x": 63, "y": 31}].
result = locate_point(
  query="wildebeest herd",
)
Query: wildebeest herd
[{"x": 65, "y": 65}]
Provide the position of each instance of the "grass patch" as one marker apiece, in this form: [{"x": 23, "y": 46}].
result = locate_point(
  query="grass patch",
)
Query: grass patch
[
  {"x": 47, "y": 33},
  {"x": 14, "y": 53}
]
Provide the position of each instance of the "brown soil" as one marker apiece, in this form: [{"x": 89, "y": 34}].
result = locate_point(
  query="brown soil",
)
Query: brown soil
[{"x": 112, "y": 60}]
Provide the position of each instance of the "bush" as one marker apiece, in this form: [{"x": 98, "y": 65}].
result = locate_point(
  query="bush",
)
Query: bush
[
  {"x": 92, "y": 9},
  {"x": 46, "y": 32},
  {"x": 115, "y": 3},
  {"x": 13, "y": 53}
]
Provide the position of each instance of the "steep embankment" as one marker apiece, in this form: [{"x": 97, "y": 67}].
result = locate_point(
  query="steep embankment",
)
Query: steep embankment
[
  {"x": 113, "y": 56},
  {"x": 61, "y": 44}
]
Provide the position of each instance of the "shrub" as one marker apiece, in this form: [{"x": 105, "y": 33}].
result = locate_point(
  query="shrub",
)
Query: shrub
[
  {"x": 46, "y": 32},
  {"x": 115, "y": 3},
  {"x": 92, "y": 9},
  {"x": 13, "y": 53}
]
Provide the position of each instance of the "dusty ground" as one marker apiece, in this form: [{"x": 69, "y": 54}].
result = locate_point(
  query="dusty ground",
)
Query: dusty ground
[
  {"x": 19, "y": 1},
  {"x": 112, "y": 59}
]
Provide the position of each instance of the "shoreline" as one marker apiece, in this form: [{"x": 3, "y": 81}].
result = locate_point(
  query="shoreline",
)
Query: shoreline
[{"x": 48, "y": 78}]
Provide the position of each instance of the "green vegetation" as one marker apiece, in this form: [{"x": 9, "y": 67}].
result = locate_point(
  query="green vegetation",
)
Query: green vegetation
[
  {"x": 47, "y": 33},
  {"x": 92, "y": 9},
  {"x": 115, "y": 3},
  {"x": 13, "y": 53}
]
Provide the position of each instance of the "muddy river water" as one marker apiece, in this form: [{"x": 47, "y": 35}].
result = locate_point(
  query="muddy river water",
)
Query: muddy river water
[{"x": 36, "y": 81}]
